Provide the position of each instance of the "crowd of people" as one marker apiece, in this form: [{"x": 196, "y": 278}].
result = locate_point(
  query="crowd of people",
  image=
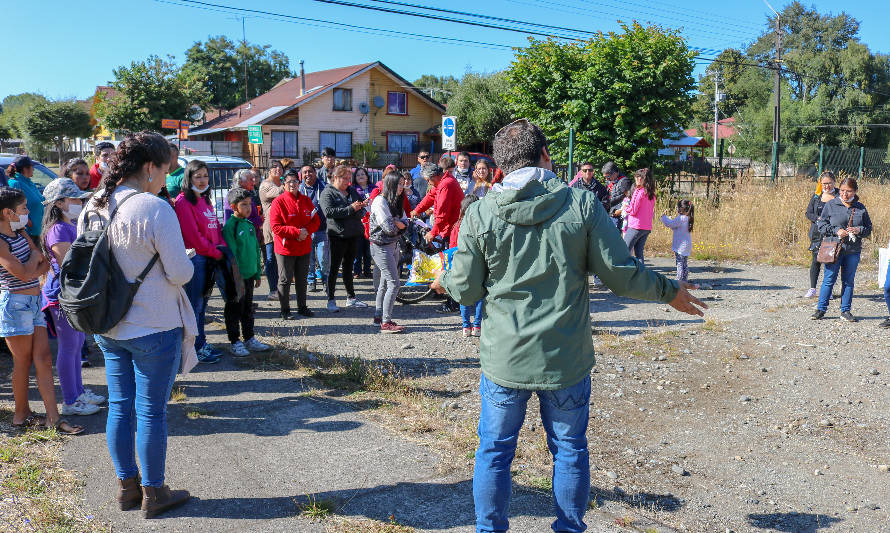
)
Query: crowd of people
[{"x": 305, "y": 227}]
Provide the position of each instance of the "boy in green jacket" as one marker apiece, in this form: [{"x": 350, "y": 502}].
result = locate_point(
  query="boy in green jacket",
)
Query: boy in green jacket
[
  {"x": 240, "y": 236},
  {"x": 527, "y": 249}
]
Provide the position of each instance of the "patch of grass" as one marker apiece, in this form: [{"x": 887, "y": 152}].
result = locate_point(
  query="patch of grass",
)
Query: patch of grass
[
  {"x": 178, "y": 395},
  {"x": 593, "y": 503},
  {"x": 198, "y": 412},
  {"x": 713, "y": 325},
  {"x": 316, "y": 509},
  {"x": 651, "y": 530},
  {"x": 45, "y": 497},
  {"x": 542, "y": 483},
  {"x": 624, "y": 521},
  {"x": 352, "y": 525}
]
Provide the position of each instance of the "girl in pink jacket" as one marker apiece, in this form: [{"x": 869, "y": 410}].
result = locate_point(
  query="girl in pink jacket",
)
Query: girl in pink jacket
[{"x": 640, "y": 212}]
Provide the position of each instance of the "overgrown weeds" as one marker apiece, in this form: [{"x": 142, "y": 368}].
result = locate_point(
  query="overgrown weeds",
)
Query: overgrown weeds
[{"x": 760, "y": 222}]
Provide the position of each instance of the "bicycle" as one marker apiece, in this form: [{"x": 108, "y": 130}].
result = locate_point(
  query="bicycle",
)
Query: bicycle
[{"x": 413, "y": 239}]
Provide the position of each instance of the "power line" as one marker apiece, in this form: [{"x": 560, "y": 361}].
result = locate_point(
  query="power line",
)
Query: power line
[{"x": 208, "y": 6}]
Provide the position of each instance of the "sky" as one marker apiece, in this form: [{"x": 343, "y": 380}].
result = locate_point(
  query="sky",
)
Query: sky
[{"x": 64, "y": 49}]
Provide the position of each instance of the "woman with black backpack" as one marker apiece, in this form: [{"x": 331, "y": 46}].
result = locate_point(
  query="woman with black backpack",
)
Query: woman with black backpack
[{"x": 144, "y": 350}]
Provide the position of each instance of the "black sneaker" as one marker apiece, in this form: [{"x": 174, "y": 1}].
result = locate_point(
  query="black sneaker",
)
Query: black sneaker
[
  {"x": 885, "y": 323},
  {"x": 817, "y": 315},
  {"x": 848, "y": 316},
  {"x": 285, "y": 315},
  {"x": 305, "y": 311},
  {"x": 314, "y": 286}
]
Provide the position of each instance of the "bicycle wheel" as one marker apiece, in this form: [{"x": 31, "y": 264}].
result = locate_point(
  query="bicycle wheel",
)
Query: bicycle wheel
[{"x": 410, "y": 294}]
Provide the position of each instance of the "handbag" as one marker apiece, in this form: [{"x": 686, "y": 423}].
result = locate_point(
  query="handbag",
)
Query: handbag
[{"x": 830, "y": 247}]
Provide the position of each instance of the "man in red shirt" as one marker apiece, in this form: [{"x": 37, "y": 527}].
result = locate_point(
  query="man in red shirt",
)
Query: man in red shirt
[
  {"x": 444, "y": 196},
  {"x": 103, "y": 151}
]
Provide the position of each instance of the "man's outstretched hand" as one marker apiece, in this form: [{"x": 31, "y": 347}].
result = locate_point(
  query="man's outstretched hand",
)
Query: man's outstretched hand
[
  {"x": 436, "y": 286},
  {"x": 686, "y": 302}
]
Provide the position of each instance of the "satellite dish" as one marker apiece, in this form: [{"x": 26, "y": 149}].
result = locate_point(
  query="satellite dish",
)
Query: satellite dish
[
  {"x": 378, "y": 101},
  {"x": 363, "y": 108},
  {"x": 196, "y": 113}
]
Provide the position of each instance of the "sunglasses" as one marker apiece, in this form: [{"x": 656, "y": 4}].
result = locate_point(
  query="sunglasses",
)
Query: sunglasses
[{"x": 423, "y": 157}]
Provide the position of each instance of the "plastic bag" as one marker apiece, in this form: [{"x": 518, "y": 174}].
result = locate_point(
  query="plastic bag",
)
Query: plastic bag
[{"x": 425, "y": 268}]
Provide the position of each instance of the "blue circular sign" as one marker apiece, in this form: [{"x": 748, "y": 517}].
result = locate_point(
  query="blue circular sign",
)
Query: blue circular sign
[{"x": 448, "y": 127}]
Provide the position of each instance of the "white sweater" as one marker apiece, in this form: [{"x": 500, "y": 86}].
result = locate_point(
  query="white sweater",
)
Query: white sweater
[{"x": 146, "y": 225}]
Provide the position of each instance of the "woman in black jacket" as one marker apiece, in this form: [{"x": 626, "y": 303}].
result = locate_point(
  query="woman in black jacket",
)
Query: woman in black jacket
[
  {"x": 343, "y": 210},
  {"x": 846, "y": 219},
  {"x": 817, "y": 202}
]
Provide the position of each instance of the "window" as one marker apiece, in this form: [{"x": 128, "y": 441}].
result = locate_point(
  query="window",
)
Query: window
[
  {"x": 342, "y": 99},
  {"x": 284, "y": 144},
  {"x": 396, "y": 103},
  {"x": 340, "y": 142},
  {"x": 401, "y": 142}
]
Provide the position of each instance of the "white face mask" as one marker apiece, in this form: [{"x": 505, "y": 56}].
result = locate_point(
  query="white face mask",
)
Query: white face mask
[
  {"x": 201, "y": 191},
  {"x": 73, "y": 210},
  {"x": 103, "y": 167},
  {"x": 20, "y": 223}
]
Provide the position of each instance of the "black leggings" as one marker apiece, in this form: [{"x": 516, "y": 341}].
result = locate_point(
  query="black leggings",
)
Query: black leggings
[
  {"x": 815, "y": 267},
  {"x": 342, "y": 254}
]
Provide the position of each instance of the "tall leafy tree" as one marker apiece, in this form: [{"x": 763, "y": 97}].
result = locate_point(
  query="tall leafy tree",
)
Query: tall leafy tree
[
  {"x": 622, "y": 92},
  {"x": 440, "y": 88},
  {"x": 151, "y": 90},
  {"x": 480, "y": 104},
  {"x": 53, "y": 122},
  {"x": 223, "y": 63}
]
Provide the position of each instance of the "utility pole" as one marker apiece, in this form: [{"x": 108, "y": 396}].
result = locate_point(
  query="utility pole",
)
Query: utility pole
[
  {"x": 244, "y": 45},
  {"x": 777, "y": 89},
  {"x": 716, "y": 111}
]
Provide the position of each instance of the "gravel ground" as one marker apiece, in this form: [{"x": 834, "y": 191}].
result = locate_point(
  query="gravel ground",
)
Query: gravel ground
[{"x": 752, "y": 419}]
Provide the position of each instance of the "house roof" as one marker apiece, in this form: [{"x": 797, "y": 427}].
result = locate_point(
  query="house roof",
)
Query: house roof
[
  {"x": 285, "y": 96},
  {"x": 727, "y": 128},
  {"x": 686, "y": 142}
]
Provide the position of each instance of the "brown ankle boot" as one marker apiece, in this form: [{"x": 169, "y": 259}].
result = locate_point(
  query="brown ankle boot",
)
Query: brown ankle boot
[
  {"x": 156, "y": 500},
  {"x": 129, "y": 493}
]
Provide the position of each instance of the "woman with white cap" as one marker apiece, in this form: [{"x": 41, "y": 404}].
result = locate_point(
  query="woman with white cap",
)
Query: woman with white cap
[{"x": 63, "y": 204}]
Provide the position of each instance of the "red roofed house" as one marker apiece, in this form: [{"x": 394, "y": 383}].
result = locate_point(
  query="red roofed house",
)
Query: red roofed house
[
  {"x": 335, "y": 108},
  {"x": 726, "y": 129}
]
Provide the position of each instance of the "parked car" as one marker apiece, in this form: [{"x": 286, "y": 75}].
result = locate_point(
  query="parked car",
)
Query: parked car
[
  {"x": 42, "y": 175},
  {"x": 222, "y": 169}
]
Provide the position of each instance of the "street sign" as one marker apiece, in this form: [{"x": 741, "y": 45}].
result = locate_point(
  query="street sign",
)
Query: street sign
[
  {"x": 184, "y": 133},
  {"x": 173, "y": 124},
  {"x": 255, "y": 134},
  {"x": 449, "y": 133}
]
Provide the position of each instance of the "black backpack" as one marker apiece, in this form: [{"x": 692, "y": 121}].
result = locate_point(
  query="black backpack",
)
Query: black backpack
[{"x": 94, "y": 293}]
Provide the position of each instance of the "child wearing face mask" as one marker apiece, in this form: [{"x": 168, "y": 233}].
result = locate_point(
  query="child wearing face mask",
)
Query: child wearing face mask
[
  {"x": 62, "y": 206},
  {"x": 22, "y": 323},
  {"x": 202, "y": 235}
]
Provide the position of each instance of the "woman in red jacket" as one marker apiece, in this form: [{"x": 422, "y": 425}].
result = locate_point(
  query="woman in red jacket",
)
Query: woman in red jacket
[{"x": 293, "y": 219}]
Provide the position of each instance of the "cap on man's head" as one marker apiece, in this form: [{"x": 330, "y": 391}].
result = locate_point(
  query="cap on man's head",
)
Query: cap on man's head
[
  {"x": 429, "y": 170},
  {"x": 61, "y": 188}
]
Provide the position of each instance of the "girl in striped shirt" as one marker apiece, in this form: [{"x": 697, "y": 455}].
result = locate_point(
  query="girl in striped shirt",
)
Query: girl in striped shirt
[{"x": 22, "y": 322}]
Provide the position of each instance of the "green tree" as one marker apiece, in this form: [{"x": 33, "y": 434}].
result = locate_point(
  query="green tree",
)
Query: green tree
[
  {"x": 439, "y": 88},
  {"x": 151, "y": 90},
  {"x": 16, "y": 108},
  {"x": 480, "y": 105},
  {"x": 622, "y": 92},
  {"x": 224, "y": 66},
  {"x": 53, "y": 122}
]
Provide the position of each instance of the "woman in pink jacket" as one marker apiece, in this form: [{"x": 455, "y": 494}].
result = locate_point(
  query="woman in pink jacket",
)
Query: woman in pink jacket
[
  {"x": 201, "y": 233},
  {"x": 640, "y": 212}
]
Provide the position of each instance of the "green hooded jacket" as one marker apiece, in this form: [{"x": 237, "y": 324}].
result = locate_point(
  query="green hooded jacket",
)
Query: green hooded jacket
[
  {"x": 528, "y": 251},
  {"x": 240, "y": 237}
]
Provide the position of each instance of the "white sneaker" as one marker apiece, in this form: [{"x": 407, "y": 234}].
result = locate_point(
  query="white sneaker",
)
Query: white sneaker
[
  {"x": 79, "y": 408},
  {"x": 355, "y": 302},
  {"x": 239, "y": 350},
  {"x": 256, "y": 346},
  {"x": 89, "y": 396},
  {"x": 811, "y": 293},
  {"x": 332, "y": 306}
]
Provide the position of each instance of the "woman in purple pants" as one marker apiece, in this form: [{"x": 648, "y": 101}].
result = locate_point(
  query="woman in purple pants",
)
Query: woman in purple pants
[{"x": 63, "y": 204}]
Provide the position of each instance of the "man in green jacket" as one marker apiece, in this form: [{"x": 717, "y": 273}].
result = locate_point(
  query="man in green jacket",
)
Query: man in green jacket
[
  {"x": 174, "y": 178},
  {"x": 527, "y": 249}
]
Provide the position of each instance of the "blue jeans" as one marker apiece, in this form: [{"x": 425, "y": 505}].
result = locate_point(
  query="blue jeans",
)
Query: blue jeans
[
  {"x": 887, "y": 291},
  {"x": 140, "y": 374},
  {"x": 271, "y": 268},
  {"x": 319, "y": 258},
  {"x": 846, "y": 264},
  {"x": 636, "y": 241},
  {"x": 476, "y": 310},
  {"x": 194, "y": 290},
  {"x": 564, "y": 415}
]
